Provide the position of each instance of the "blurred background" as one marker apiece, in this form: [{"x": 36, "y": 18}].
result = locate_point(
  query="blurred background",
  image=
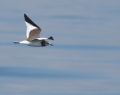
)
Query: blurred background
[{"x": 85, "y": 58}]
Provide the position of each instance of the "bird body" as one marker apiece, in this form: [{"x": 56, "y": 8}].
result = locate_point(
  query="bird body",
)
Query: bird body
[{"x": 33, "y": 34}]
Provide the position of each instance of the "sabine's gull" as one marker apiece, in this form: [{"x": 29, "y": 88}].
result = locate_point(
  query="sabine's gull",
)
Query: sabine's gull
[{"x": 33, "y": 36}]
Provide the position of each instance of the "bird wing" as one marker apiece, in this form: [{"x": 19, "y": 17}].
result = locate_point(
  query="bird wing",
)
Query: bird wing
[{"x": 33, "y": 30}]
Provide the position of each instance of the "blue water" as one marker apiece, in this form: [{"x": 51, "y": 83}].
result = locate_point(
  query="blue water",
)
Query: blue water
[{"x": 85, "y": 58}]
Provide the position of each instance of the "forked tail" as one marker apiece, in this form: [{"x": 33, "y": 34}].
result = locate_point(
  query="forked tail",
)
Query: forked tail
[{"x": 16, "y": 42}]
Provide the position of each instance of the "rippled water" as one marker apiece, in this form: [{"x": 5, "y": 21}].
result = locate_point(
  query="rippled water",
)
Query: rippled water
[{"x": 85, "y": 58}]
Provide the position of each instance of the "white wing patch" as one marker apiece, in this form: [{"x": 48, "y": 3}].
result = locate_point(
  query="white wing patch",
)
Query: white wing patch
[
  {"x": 33, "y": 30},
  {"x": 29, "y": 29}
]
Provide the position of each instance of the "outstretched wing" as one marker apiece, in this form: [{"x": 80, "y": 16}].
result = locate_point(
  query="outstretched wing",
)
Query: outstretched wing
[{"x": 33, "y": 30}]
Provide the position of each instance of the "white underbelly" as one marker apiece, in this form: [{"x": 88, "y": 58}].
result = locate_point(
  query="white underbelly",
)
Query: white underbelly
[
  {"x": 36, "y": 42},
  {"x": 24, "y": 42}
]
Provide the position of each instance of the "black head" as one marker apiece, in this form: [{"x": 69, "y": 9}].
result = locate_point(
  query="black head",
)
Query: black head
[{"x": 51, "y": 38}]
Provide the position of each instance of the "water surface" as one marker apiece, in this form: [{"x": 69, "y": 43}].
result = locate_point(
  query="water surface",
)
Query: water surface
[{"x": 84, "y": 60}]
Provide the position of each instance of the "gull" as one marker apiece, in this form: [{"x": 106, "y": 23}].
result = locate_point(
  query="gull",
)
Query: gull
[{"x": 33, "y": 36}]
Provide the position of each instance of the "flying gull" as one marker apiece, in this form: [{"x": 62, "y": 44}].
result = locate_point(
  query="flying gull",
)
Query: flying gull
[{"x": 33, "y": 36}]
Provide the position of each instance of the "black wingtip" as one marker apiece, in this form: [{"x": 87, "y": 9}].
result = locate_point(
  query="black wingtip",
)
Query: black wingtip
[
  {"x": 27, "y": 19},
  {"x": 25, "y": 16},
  {"x": 51, "y": 38}
]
